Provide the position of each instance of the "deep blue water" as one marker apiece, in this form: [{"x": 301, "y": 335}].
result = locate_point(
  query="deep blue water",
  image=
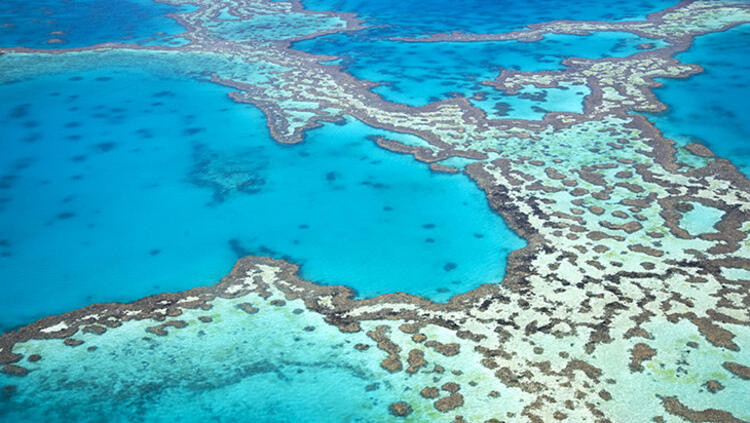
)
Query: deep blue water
[
  {"x": 711, "y": 107},
  {"x": 411, "y": 18},
  {"x": 34, "y": 24},
  {"x": 117, "y": 185},
  {"x": 420, "y": 73}
]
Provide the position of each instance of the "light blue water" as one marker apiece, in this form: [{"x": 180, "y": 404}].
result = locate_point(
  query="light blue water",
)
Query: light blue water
[
  {"x": 118, "y": 184},
  {"x": 420, "y": 73},
  {"x": 532, "y": 103},
  {"x": 263, "y": 367},
  {"x": 410, "y": 18},
  {"x": 34, "y": 24},
  {"x": 701, "y": 219},
  {"x": 711, "y": 107}
]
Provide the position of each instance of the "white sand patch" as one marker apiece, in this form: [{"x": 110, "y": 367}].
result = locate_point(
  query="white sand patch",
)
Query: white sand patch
[{"x": 56, "y": 328}]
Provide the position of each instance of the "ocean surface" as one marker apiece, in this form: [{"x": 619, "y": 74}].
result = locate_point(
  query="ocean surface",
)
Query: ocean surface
[
  {"x": 59, "y": 23},
  {"x": 118, "y": 184},
  {"x": 414, "y": 18},
  {"x": 711, "y": 107}
]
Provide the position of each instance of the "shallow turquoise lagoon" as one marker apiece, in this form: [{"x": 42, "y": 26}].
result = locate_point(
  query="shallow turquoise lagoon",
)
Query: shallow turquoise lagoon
[
  {"x": 263, "y": 367},
  {"x": 700, "y": 219},
  {"x": 711, "y": 107},
  {"x": 58, "y": 23},
  {"x": 117, "y": 185},
  {"x": 420, "y": 73},
  {"x": 411, "y": 18}
]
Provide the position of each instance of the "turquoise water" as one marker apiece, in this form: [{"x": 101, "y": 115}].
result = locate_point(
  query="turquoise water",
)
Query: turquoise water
[
  {"x": 117, "y": 185},
  {"x": 281, "y": 364},
  {"x": 35, "y": 24},
  {"x": 410, "y": 18},
  {"x": 420, "y": 73},
  {"x": 257, "y": 371},
  {"x": 701, "y": 219},
  {"x": 710, "y": 107},
  {"x": 532, "y": 103}
]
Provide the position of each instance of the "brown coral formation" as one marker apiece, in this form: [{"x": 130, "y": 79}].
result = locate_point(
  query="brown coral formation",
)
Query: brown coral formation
[
  {"x": 640, "y": 353},
  {"x": 449, "y": 403},
  {"x": 400, "y": 409},
  {"x": 392, "y": 363}
]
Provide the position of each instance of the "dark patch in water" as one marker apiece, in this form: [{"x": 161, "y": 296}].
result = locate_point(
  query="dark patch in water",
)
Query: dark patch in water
[
  {"x": 79, "y": 158},
  {"x": 6, "y": 181},
  {"x": 154, "y": 252},
  {"x": 23, "y": 163},
  {"x": 31, "y": 124},
  {"x": 65, "y": 215},
  {"x": 73, "y": 137},
  {"x": 387, "y": 208},
  {"x": 429, "y": 240},
  {"x": 429, "y": 226},
  {"x": 68, "y": 198},
  {"x": 251, "y": 186},
  {"x": 502, "y": 109},
  {"x": 478, "y": 236},
  {"x": 303, "y": 226},
  {"x": 192, "y": 131},
  {"x": 75, "y": 78},
  {"x": 32, "y": 137},
  {"x": 164, "y": 94},
  {"x": 22, "y": 110},
  {"x": 267, "y": 251},
  {"x": 73, "y": 124},
  {"x": 237, "y": 248},
  {"x": 144, "y": 133},
  {"x": 106, "y": 146},
  {"x": 449, "y": 266},
  {"x": 331, "y": 176},
  {"x": 102, "y": 79}
]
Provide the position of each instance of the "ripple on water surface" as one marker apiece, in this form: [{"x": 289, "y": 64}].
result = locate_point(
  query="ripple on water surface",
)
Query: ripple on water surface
[
  {"x": 153, "y": 185},
  {"x": 410, "y": 18},
  {"x": 57, "y": 23}
]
